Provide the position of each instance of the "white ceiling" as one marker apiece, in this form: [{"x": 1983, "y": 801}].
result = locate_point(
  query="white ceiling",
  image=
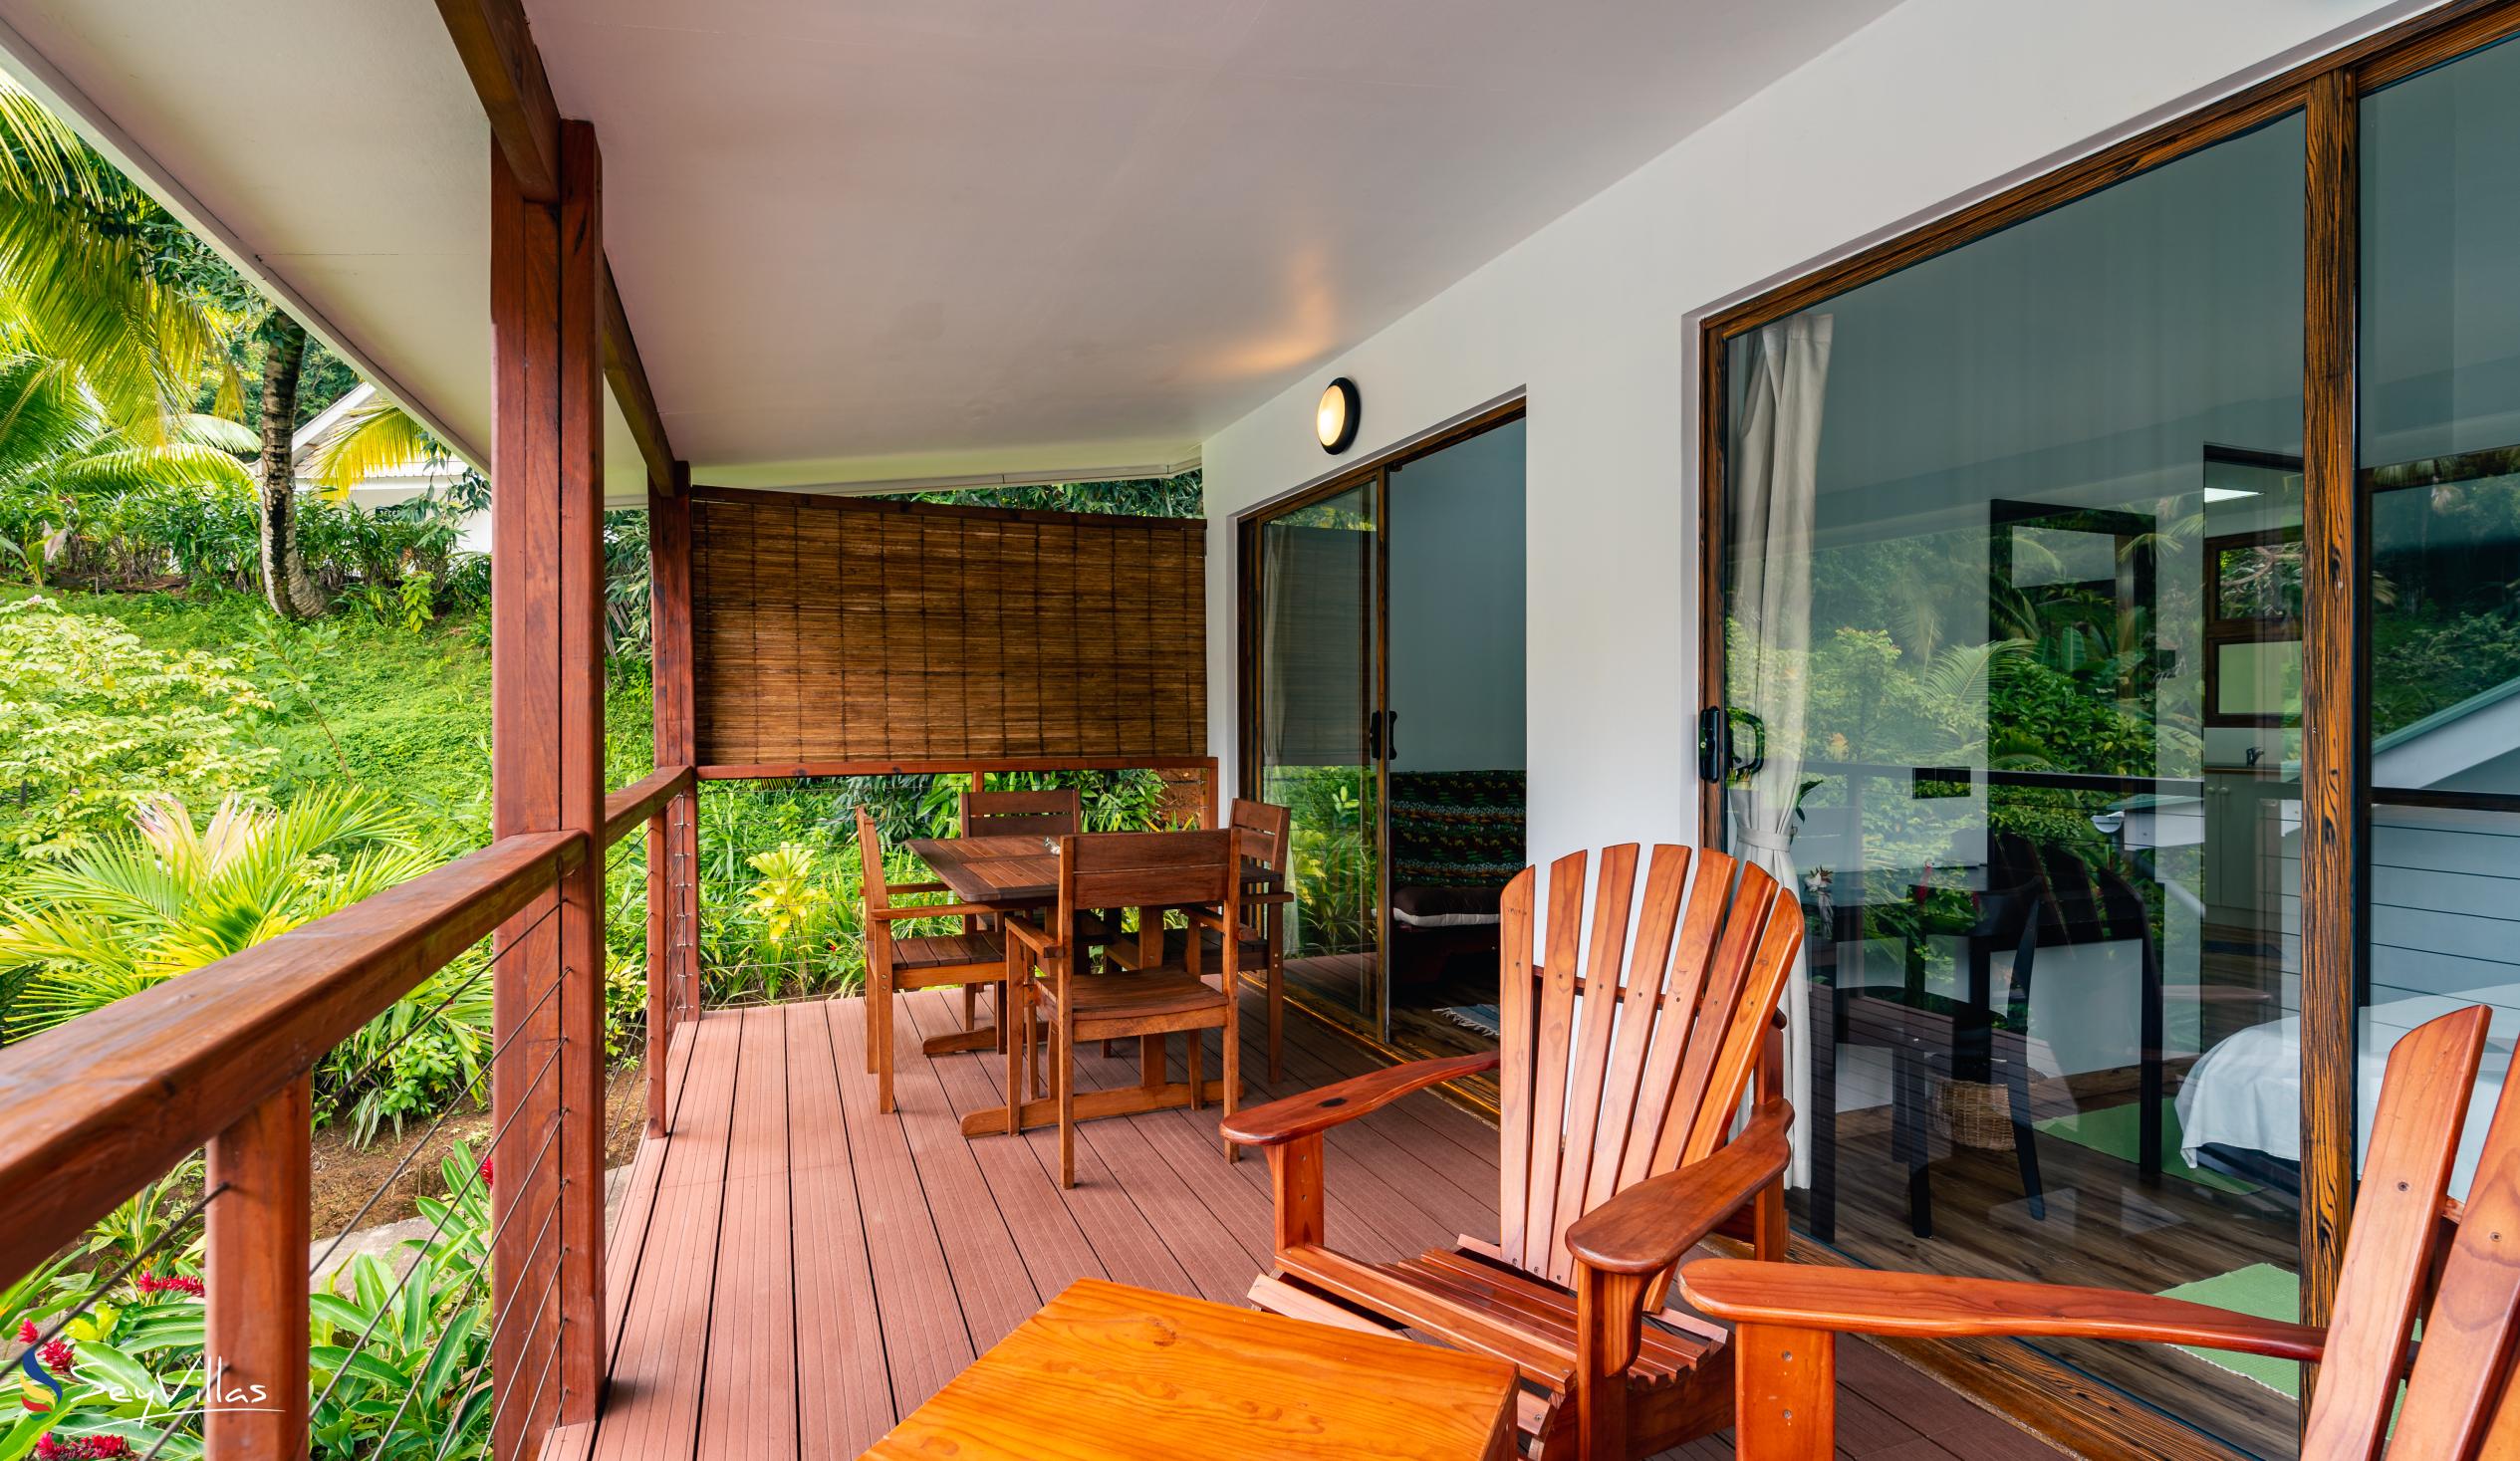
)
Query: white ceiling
[{"x": 865, "y": 240}]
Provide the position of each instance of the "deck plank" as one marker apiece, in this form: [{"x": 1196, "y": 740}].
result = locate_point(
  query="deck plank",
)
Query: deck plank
[
  {"x": 791, "y": 1272},
  {"x": 748, "y": 1403},
  {"x": 652, "y": 1407},
  {"x": 844, "y": 1391},
  {"x": 982, "y": 1258},
  {"x": 925, "y": 1341},
  {"x": 1056, "y": 1250}
]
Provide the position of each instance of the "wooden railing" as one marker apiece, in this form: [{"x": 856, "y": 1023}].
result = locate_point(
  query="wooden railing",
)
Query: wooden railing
[
  {"x": 223, "y": 1057},
  {"x": 667, "y": 803}
]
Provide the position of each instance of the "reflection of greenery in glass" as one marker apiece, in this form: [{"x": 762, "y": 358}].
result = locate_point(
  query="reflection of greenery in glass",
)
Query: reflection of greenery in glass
[
  {"x": 1335, "y": 863},
  {"x": 2445, "y": 557},
  {"x": 1922, "y": 656},
  {"x": 1338, "y": 512},
  {"x": 2259, "y": 580}
]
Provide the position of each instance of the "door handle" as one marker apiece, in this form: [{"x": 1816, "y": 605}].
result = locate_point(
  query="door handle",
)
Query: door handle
[{"x": 1717, "y": 758}]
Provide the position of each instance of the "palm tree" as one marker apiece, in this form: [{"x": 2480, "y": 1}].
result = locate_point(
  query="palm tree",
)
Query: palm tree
[{"x": 60, "y": 446}]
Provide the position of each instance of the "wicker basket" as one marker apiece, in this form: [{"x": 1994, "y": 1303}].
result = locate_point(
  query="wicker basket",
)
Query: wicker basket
[{"x": 1976, "y": 1114}]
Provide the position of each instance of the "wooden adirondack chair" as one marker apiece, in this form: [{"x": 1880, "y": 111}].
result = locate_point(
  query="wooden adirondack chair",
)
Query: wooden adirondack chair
[
  {"x": 1645, "y": 1077},
  {"x": 2458, "y": 1402}
]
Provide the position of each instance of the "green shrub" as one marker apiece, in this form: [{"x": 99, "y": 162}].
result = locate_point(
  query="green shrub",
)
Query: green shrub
[{"x": 93, "y": 722}]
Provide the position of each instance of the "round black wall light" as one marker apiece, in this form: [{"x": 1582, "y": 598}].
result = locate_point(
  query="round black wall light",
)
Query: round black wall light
[{"x": 1334, "y": 420}]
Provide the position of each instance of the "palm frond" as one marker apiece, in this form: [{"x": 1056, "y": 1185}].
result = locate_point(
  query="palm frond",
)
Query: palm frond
[
  {"x": 45, "y": 411},
  {"x": 42, "y": 156},
  {"x": 374, "y": 437},
  {"x": 137, "y": 468},
  {"x": 84, "y": 297},
  {"x": 198, "y": 430}
]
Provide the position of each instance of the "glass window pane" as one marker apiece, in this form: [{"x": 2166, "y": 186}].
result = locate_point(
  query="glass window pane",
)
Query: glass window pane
[
  {"x": 1971, "y": 605},
  {"x": 2441, "y": 437}
]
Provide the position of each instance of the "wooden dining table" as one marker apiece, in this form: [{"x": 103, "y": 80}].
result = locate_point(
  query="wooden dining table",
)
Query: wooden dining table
[{"x": 1020, "y": 875}]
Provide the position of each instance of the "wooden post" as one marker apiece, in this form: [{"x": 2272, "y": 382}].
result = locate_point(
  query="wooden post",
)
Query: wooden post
[
  {"x": 582, "y": 788},
  {"x": 660, "y": 960},
  {"x": 673, "y": 848},
  {"x": 1785, "y": 1393},
  {"x": 255, "y": 1266},
  {"x": 547, "y": 739}
]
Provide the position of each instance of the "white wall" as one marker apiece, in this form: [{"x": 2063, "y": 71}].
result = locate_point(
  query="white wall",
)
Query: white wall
[
  {"x": 1457, "y": 615},
  {"x": 1592, "y": 316}
]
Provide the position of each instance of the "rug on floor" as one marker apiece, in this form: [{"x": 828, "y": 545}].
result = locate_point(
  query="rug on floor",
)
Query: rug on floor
[
  {"x": 2114, "y": 1128},
  {"x": 1482, "y": 1017},
  {"x": 2262, "y": 1290}
]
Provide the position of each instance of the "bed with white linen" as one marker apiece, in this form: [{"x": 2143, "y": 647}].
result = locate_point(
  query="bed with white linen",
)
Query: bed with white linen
[{"x": 2245, "y": 1095}]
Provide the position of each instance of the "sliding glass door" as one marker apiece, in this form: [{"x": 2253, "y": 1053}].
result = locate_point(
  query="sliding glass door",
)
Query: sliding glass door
[
  {"x": 1319, "y": 732},
  {"x": 2012, "y": 662},
  {"x": 2440, "y": 485}
]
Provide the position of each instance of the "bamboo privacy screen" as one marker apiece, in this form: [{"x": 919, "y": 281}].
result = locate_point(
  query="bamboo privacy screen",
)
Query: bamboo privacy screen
[{"x": 838, "y": 629}]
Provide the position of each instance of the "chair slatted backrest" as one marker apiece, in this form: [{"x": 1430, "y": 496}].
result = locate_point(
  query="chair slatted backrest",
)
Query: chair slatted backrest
[
  {"x": 1646, "y": 1069},
  {"x": 2460, "y": 1400},
  {"x": 1149, "y": 869},
  {"x": 1264, "y": 828},
  {"x": 2389, "y": 1257},
  {"x": 871, "y": 859},
  {"x": 1023, "y": 814}
]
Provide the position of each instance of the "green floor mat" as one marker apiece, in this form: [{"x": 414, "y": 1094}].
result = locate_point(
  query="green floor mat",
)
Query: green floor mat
[
  {"x": 2262, "y": 1290},
  {"x": 2113, "y": 1129}
]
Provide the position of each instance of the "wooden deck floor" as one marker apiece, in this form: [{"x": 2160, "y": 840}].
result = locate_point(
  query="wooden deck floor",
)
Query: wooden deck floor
[{"x": 791, "y": 1273}]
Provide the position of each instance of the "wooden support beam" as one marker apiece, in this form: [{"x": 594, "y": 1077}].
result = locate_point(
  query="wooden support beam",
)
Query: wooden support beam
[
  {"x": 629, "y": 377},
  {"x": 581, "y": 756},
  {"x": 547, "y": 738},
  {"x": 254, "y": 1250},
  {"x": 498, "y": 52},
  {"x": 496, "y": 44},
  {"x": 673, "y": 840}
]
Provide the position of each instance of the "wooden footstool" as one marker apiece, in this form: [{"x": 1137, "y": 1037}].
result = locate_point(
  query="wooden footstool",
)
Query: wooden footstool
[{"x": 1105, "y": 1370}]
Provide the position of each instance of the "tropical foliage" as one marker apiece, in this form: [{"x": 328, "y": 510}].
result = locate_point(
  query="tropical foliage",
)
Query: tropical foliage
[
  {"x": 399, "y": 1342},
  {"x": 93, "y": 724}
]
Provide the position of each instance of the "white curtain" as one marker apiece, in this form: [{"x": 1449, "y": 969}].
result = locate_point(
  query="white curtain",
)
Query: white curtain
[{"x": 1775, "y": 484}]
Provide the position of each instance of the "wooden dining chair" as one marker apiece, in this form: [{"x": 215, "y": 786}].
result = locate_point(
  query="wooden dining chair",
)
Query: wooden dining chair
[
  {"x": 971, "y": 958},
  {"x": 2411, "y": 1255},
  {"x": 1264, "y": 835},
  {"x": 1059, "y": 812},
  {"x": 1617, "y": 1152},
  {"x": 1201, "y": 871}
]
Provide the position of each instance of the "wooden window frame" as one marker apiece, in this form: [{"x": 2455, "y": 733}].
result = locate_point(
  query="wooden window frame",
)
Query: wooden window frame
[
  {"x": 2046, "y": 1394},
  {"x": 2222, "y": 629}
]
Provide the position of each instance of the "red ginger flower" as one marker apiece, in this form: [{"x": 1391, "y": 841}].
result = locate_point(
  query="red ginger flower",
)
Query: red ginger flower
[
  {"x": 152, "y": 1284},
  {"x": 27, "y": 1333},
  {"x": 83, "y": 1448},
  {"x": 59, "y": 1356}
]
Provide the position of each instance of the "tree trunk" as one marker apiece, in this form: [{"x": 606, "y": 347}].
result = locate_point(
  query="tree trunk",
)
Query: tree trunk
[{"x": 285, "y": 583}]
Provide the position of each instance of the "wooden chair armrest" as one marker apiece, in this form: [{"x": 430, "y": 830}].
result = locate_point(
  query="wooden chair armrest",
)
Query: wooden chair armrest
[
  {"x": 1033, "y": 936},
  {"x": 1646, "y": 1228},
  {"x": 912, "y": 888},
  {"x": 1283, "y": 1120},
  {"x": 1935, "y": 1306},
  {"x": 1205, "y": 919},
  {"x": 931, "y": 910}
]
